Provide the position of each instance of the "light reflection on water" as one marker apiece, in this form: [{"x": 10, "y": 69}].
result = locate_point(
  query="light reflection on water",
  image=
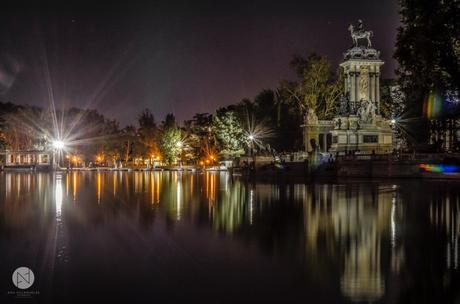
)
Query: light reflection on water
[{"x": 373, "y": 241}]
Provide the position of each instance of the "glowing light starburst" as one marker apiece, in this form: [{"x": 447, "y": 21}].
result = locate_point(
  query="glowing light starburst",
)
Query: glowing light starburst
[
  {"x": 58, "y": 144},
  {"x": 256, "y": 132}
]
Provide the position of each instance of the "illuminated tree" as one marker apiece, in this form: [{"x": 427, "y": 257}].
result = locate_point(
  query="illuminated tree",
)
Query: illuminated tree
[
  {"x": 229, "y": 133},
  {"x": 21, "y": 128},
  {"x": 200, "y": 136},
  {"x": 318, "y": 88},
  {"x": 87, "y": 131},
  {"x": 170, "y": 144}
]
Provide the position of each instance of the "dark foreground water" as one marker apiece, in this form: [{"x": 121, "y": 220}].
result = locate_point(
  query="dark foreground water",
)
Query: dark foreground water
[{"x": 208, "y": 238}]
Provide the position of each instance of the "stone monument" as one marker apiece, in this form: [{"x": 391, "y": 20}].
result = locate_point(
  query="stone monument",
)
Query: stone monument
[{"x": 358, "y": 126}]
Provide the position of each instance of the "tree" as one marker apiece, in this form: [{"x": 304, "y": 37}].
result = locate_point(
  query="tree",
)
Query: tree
[
  {"x": 128, "y": 135},
  {"x": 428, "y": 52},
  {"x": 266, "y": 107},
  {"x": 200, "y": 136},
  {"x": 146, "y": 120},
  {"x": 392, "y": 99},
  {"x": 318, "y": 88},
  {"x": 112, "y": 145},
  {"x": 170, "y": 144},
  {"x": 25, "y": 128},
  {"x": 229, "y": 133},
  {"x": 86, "y": 132},
  {"x": 148, "y": 133},
  {"x": 170, "y": 121}
]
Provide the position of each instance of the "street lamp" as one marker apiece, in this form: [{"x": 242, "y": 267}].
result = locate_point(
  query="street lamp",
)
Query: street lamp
[
  {"x": 251, "y": 138},
  {"x": 394, "y": 136},
  {"x": 58, "y": 144},
  {"x": 179, "y": 145}
]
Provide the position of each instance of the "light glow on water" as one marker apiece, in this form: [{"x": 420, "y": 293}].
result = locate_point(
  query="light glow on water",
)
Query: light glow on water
[
  {"x": 178, "y": 198},
  {"x": 356, "y": 236},
  {"x": 58, "y": 195}
]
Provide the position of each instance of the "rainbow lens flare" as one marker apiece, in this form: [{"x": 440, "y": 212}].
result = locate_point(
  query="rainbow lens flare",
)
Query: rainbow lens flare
[
  {"x": 439, "y": 168},
  {"x": 433, "y": 105}
]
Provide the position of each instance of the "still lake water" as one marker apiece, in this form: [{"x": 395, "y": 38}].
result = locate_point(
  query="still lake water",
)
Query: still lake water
[{"x": 210, "y": 238}]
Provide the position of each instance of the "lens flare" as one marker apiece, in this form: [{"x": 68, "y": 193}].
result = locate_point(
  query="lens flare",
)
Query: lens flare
[
  {"x": 58, "y": 144},
  {"x": 439, "y": 168},
  {"x": 433, "y": 105},
  {"x": 256, "y": 131}
]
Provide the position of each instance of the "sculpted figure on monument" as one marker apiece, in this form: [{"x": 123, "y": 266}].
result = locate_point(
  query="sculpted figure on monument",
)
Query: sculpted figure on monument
[
  {"x": 360, "y": 25},
  {"x": 364, "y": 83},
  {"x": 356, "y": 35},
  {"x": 361, "y": 112},
  {"x": 338, "y": 123},
  {"x": 366, "y": 111},
  {"x": 311, "y": 118},
  {"x": 343, "y": 108}
]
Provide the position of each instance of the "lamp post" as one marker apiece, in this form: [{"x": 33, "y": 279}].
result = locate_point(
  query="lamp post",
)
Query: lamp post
[
  {"x": 394, "y": 138},
  {"x": 251, "y": 144},
  {"x": 251, "y": 139},
  {"x": 179, "y": 145}
]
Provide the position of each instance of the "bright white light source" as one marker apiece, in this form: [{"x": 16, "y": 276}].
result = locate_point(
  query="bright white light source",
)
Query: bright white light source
[
  {"x": 251, "y": 137},
  {"x": 393, "y": 121},
  {"x": 179, "y": 144},
  {"x": 58, "y": 144}
]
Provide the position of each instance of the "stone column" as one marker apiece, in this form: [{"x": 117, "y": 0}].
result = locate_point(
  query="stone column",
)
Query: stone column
[
  {"x": 352, "y": 87},
  {"x": 369, "y": 89},
  {"x": 357, "y": 76},
  {"x": 345, "y": 82},
  {"x": 377, "y": 91},
  {"x": 373, "y": 84}
]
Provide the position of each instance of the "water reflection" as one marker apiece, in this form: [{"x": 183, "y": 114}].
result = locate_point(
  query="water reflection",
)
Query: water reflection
[
  {"x": 372, "y": 241},
  {"x": 444, "y": 216},
  {"x": 58, "y": 195}
]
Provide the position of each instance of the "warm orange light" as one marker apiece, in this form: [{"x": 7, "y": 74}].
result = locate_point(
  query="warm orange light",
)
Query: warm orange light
[
  {"x": 75, "y": 159},
  {"x": 67, "y": 156},
  {"x": 201, "y": 163},
  {"x": 207, "y": 161}
]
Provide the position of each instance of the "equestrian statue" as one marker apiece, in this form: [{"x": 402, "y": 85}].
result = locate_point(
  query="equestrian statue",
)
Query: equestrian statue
[{"x": 360, "y": 33}]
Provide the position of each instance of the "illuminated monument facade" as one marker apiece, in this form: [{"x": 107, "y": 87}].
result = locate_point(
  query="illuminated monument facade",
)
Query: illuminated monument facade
[{"x": 358, "y": 125}]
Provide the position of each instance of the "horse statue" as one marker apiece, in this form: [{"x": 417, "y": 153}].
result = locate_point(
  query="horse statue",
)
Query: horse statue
[{"x": 360, "y": 34}]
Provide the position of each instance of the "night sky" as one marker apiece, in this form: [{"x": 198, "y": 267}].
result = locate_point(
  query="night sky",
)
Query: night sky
[{"x": 181, "y": 57}]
